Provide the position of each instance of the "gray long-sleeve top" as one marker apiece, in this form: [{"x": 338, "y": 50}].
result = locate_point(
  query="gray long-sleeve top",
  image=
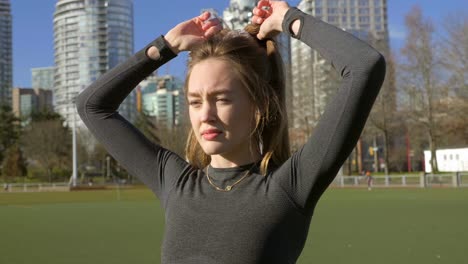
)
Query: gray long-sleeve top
[{"x": 264, "y": 219}]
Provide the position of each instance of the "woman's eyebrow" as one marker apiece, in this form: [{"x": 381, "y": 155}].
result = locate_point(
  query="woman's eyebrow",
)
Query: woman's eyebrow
[
  {"x": 193, "y": 94},
  {"x": 211, "y": 93},
  {"x": 221, "y": 91}
]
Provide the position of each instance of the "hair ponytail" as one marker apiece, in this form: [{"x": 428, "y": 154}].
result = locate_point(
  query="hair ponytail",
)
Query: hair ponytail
[{"x": 274, "y": 130}]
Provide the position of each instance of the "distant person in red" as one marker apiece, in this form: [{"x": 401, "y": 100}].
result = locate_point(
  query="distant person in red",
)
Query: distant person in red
[{"x": 369, "y": 180}]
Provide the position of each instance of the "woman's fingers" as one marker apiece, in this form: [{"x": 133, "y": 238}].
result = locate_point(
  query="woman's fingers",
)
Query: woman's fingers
[
  {"x": 190, "y": 33},
  {"x": 261, "y": 12},
  {"x": 257, "y": 20},
  {"x": 204, "y": 16},
  {"x": 207, "y": 24},
  {"x": 259, "y": 16},
  {"x": 208, "y": 20},
  {"x": 263, "y": 3},
  {"x": 213, "y": 30}
]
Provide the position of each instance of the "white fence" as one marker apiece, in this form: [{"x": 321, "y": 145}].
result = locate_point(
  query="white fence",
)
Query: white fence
[
  {"x": 459, "y": 179},
  {"x": 35, "y": 187}
]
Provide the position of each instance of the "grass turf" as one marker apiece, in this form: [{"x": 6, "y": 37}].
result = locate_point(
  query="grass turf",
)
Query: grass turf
[{"x": 350, "y": 226}]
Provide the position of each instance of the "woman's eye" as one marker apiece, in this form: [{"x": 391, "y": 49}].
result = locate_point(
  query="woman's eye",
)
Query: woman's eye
[{"x": 194, "y": 103}]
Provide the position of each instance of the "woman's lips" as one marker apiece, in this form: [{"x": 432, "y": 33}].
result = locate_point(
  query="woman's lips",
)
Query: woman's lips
[{"x": 210, "y": 134}]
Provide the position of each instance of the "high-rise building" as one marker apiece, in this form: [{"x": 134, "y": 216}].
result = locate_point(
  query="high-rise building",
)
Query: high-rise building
[
  {"x": 90, "y": 37},
  {"x": 162, "y": 97},
  {"x": 26, "y": 101},
  {"x": 6, "y": 72},
  {"x": 238, "y": 13},
  {"x": 43, "y": 78},
  {"x": 313, "y": 80}
]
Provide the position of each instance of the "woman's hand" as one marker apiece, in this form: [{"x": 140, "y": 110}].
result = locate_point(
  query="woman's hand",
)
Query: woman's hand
[
  {"x": 192, "y": 32},
  {"x": 269, "y": 14}
]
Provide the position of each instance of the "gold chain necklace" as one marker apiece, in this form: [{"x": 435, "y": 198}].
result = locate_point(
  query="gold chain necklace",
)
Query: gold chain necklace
[{"x": 228, "y": 187}]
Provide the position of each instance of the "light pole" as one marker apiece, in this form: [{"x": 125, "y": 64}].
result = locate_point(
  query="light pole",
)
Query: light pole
[
  {"x": 107, "y": 168},
  {"x": 74, "y": 177},
  {"x": 376, "y": 155},
  {"x": 75, "y": 171}
]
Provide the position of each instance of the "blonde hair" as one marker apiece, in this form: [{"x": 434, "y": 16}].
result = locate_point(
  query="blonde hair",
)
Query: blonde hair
[{"x": 259, "y": 67}]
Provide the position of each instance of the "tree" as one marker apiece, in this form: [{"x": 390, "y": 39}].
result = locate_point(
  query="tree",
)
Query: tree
[
  {"x": 384, "y": 111},
  {"x": 44, "y": 115},
  {"x": 420, "y": 79},
  {"x": 455, "y": 51},
  {"x": 10, "y": 129},
  {"x": 170, "y": 137},
  {"x": 147, "y": 125},
  {"x": 86, "y": 149},
  {"x": 14, "y": 164},
  {"x": 174, "y": 138},
  {"x": 48, "y": 142}
]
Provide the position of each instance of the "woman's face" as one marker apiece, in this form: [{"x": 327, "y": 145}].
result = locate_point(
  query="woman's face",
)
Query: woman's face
[{"x": 220, "y": 109}]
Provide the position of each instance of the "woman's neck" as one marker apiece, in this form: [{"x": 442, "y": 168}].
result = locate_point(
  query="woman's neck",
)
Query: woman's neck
[{"x": 224, "y": 161}]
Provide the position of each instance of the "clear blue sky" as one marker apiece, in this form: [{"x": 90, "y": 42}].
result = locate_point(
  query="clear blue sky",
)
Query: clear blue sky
[{"x": 33, "y": 27}]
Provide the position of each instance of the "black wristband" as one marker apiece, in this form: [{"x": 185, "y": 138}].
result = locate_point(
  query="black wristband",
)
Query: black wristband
[
  {"x": 165, "y": 52},
  {"x": 292, "y": 15}
]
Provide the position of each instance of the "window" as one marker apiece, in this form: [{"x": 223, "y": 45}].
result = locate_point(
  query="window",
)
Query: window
[
  {"x": 332, "y": 19},
  {"x": 333, "y": 3},
  {"x": 332, "y": 10},
  {"x": 364, "y": 11},
  {"x": 364, "y": 19}
]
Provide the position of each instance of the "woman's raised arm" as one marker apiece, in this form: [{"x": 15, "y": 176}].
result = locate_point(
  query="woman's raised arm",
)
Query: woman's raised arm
[
  {"x": 307, "y": 174},
  {"x": 97, "y": 106}
]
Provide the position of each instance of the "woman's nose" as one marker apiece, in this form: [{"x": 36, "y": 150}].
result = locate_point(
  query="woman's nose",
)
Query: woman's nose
[{"x": 208, "y": 112}]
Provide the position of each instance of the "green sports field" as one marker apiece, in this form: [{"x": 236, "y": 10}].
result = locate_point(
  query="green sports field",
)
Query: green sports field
[{"x": 350, "y": 226}]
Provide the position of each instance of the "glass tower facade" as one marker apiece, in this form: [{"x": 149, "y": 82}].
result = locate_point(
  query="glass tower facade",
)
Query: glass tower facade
[
  {"x": 90, "y": 37},
  {"x": 6, "y": 72},
  {"x": 238, "y": 13},
  {"x": 313, "y": 80},
  {"x": 43, "y": 78}
]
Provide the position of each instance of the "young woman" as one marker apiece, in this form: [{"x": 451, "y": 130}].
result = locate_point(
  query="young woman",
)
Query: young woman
[{"x": 237, "y": 196}]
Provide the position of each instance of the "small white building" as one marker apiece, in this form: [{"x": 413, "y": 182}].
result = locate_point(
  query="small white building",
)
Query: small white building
[{"x": 450, "y": 160}]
